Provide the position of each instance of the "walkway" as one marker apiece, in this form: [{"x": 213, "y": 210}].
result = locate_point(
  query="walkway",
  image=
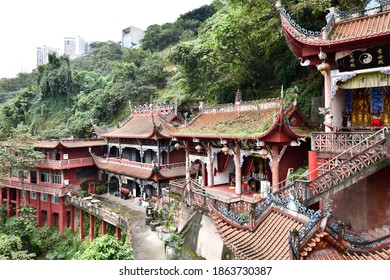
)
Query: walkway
[{"x": 146, "y": 243}]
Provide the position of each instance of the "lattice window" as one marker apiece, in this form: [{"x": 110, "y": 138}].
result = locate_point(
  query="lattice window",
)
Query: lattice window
[{"x": 56, "y": 177}]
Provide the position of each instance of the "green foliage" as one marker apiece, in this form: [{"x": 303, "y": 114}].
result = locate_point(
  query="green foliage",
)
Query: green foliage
[
  {"x": 205, "y": 55},
  {"x": 101, "y": 189},
  {"x": 106, "y": 248},
  {"x": 11, "y": 248},
  {"x": 19, "y": 155},
  {"x": 159, "y": 37}
]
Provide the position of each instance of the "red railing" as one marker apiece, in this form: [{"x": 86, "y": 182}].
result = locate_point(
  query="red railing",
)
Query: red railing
[
  {"x": 66, "y": 163},
  {"x": 49, "y": 188},
  {"x": 146, "y": 165},
  {"x": 59, "y": 190}
]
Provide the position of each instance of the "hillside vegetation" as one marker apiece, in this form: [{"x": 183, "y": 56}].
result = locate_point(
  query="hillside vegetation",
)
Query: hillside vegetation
[{"x": 207, "y": 54}]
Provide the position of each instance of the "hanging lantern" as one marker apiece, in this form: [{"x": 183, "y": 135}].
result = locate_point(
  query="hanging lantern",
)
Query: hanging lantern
[
  {"x": 225, "y": 150},
  {"x": 177, "y": 146},
  {"x": 198, "y": 148},
  {"x": 263, "y": 153}
]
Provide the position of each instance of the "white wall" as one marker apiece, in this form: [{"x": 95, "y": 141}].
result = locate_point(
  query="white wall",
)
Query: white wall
[
  {"x": 223, "y": 178},
  {"x": 338, "y": 106}
]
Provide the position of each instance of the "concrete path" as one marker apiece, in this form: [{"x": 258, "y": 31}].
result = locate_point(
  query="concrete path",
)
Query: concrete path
[{"x": 146, "y": 243}]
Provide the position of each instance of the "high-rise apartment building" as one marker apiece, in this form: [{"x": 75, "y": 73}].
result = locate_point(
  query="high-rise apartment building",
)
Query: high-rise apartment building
[
  {"x": 75, "y": 47},
  {"x": 43, "y": 54},
  {"x": 131, "y": 37}
]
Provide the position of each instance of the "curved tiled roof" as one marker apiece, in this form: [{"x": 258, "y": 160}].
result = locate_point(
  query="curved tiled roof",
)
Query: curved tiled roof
[
  {"x": 70, "y": 143},
  {"x": 231, "y": 124},
  {"x": 360, "y": 28},
  {"x": 313, "y": 251},
  {"x": 269, "y": 241},
  {"x": 139, "y": 126}
]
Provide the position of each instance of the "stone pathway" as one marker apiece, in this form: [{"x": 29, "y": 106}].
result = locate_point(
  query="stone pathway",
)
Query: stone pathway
[{"x": 146, "y": 243}]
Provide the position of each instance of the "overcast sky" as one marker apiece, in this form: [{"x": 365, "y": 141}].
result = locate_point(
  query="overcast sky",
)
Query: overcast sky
[{"x": 28, "y": 24}]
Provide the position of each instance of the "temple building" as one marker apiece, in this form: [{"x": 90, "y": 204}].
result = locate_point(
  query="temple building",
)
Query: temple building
[
  {"x": 67, "y": 167},
  {"x": 338, "y": 209},
  {"x": 353, "y": 53},
  {"x": 141, "y": 157},
  {"x": 245, "y": 147},
  {"x": 349, "y": 162}
]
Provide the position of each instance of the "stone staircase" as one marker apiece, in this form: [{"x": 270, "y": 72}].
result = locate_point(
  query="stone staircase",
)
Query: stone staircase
[{"x": 363, "y": 159}]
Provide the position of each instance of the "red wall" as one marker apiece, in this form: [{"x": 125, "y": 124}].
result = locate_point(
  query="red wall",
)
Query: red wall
[
  {"x": 365, "y": 204},
  {"x": 177, "y": 156},
  {"x": 294, "y": 157}
]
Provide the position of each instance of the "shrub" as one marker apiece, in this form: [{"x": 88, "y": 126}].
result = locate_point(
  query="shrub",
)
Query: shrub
[{"x": 101, "y": 189}]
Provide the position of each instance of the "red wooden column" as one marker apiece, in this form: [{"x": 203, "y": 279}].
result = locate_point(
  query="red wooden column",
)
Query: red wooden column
[
  {"x": 188, "y": 163},
  {"x": 275, "y": 165},
  {"x": 91, "y": 228},
  {"x": 104, "y": 227},
  {"x": 1, "y": 197},
  {"x": 313, "y": 165},
  {"x": 210, "y": 167},
  {"x": 81, "y": 216},
  {"x": 238, "y": 169},
  {"x": 28, "y": 198},
  {"x": 49, "y": 212},
  {"x": 324, "y": 68},
  {"x": 38, "y": 210},
  {"x": 72, "y": 218},
  {"x": 118, "y": 233},
  {"x": 62, "y": 216},
  {"x": 17, "y": 204},
  {"x": 8, "y": 202}
]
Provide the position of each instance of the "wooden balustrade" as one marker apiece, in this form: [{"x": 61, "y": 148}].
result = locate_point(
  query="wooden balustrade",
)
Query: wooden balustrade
[{"x": 66, "y": 163}]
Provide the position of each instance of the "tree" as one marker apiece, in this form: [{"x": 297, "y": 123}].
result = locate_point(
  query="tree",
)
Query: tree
[
  {"x": 18, "y": 156},
  {"x": 106, "y": 248}
]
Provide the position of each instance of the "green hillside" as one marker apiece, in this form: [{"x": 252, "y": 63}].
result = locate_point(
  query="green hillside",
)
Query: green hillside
[{"x": 207, "y": 54}]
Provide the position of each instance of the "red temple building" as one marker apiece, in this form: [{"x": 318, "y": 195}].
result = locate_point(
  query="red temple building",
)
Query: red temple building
[
  {"x": 141, "y": 157},
  {"x": 67, "y": 167},
  {"x": 243, "y": 146},
  {"x": 339, "y": 208}
]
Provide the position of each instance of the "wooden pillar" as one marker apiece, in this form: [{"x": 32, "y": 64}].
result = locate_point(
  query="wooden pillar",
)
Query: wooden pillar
[
  {"x": 104, "y": 227},
  {"x": 324, "y": 68},
  {"x": 275, "y": 165},
  {"x": 188, "y": 163},
  {"x": 8, "y": 202},
  {"x": 238, "y": 169},
  {"x": 38, "y": 210},
  {"x": 62, "y": 216},
  {"x": 17, "y": 204},
  {"x": 118, "y": 233},
  {"x": 91, "y": 228},
  {"x": 158, "y": 152},
  {"x": 81, "y": 218},
  {"x": 49, "y": 212},
  {"x": 72, "y": 219},
  {"x": 1, "y": 197},
  {"x": 28, "y": 202},
  {"x": 313, "y": 165},
  {"x": 210, "y": 167}
]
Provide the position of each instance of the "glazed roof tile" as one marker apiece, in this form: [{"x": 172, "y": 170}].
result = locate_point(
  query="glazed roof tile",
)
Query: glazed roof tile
[
  {"x": 311, "y": 252},
  {"x": 364, "y": 27},
  {"x": 243, "y": 124},
  {"x": 359, "y": 28},
  {"x": 269, "y": 241},
  {"x": 138, "y": 126},
  {"x": 69, "y": 143}
]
